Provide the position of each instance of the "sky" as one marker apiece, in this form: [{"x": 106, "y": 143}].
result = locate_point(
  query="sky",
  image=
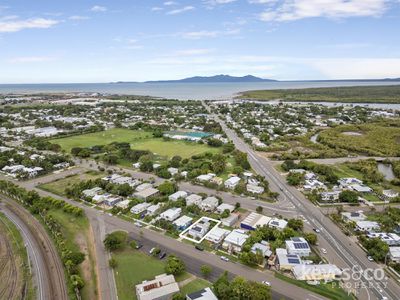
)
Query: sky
[{"x": 59, "y": 41}]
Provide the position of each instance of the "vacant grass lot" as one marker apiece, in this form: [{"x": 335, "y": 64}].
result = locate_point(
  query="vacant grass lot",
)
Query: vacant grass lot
[
  {"x": 139, "y": 140},
  {"x": 171, "y": 148},
  {"x": 101, "y": 138},
  {"x": 59, "y": 186},
  {"x": 194, "y": 286}
]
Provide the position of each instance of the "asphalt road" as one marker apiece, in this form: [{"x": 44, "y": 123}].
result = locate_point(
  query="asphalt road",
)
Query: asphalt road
[
  {"x": 48, "y": 272},
  {"x": 341, "y": 250}
]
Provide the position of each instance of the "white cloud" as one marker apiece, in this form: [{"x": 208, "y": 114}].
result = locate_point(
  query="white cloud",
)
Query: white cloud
[
  {"x": 216, "y": 2},
  {"x": 98, "y": 8},
  {"x": 18, "y": 25},
  {"x": 192, "y": 52},
  {"x": 78, "y": 18},
  {"x": 291, "y": 10},
  {"x": 30, "y": 59},
  {"x": 156, "y": 8},
  {"x": 180, "y": 10},
  {"x": 208, "y": 34},
  {"x": 169, "y": 3},
  {"x": 262, "y": 1}
]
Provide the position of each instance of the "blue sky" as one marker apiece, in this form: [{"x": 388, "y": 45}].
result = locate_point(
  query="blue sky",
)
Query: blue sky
[{"x": 137, "y": 40}]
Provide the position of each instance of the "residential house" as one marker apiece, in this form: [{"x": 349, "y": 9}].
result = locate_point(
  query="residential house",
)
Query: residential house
[
  {"x": 163, "y": 287},
  {"x": 367, "y": 226},
  {"x": 263, "y": 247},
  {"x": 224, "y": 206},
  {"x": 316, "y": 272},
  {"x": 139, "y": 208},
  {"x": 199, "y": 229},
  {"x": 254, "y": 220},
  {"x": 278, "y": 223},
  {"x": 231, "y": 220},
  {"x": 171, "y": 214},
  {"x": 235, "y": 240},
  {"x": 209, "y": 204},
  {"x": 391, "y": 239},
  {"x": 153, "y": 209},
  {"x": 298, "y": 246},
  {"x": 178, "y": 195},
  {"x": 285, "y": 261},
  {"x": 353, "y": 216},
  {"x": 217, "y": 235},
  {"x": 394, "y": 254},
  {"x": 204, "y": 294},
  {"x": 232, "y": 182},
  {"x": 254, "y": 189},
  {"x": 193, "y": 199},
  {"x": 89, "y": 193},
  {"x": 330, "y": 196},
  {"x": 182, "y": 223},
  {"x": 146, "y": 194}
]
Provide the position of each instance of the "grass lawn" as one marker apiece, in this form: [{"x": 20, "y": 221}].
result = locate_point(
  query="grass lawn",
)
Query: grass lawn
[
  {"x": 58, "y": 186},
  {"x": 171, "y": 148},
  {"x": 327, "y": 290},
  {"x": 101, "y": 138},
  {"x": 195, "y": 286}
]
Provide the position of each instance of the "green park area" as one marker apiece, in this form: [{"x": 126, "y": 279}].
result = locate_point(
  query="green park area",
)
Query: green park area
[
  {"x": 59, "y": 186},
  {"x": 371, "y": 139},
  {"x": 133, "y": 267},
  {"x": 119, "y": 135},
  {"x": 352, "y": 94},
  {"x": 139, "y": 140}
]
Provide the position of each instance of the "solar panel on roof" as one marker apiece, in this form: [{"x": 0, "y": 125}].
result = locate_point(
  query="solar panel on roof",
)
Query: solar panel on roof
[
  {"x": 300, "y": 245},
  {"x": 293, "y": 260},
  {"x": 296, "y": 239}
]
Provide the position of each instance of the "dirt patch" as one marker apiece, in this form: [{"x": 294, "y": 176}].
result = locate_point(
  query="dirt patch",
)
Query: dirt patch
[
  {"x": 352, "y": 133},
  {"x": 85, "y": 246}
]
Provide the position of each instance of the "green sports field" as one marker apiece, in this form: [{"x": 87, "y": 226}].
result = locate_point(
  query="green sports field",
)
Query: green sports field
[{"x": 139, "y": 140}]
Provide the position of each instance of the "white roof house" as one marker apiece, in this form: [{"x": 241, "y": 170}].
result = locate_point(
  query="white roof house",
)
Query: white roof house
[
  {"x": 171, "y": 214},
  {"x": 139, "y": 208},
  {"x": 123, "y": 204},
  {"x": 205, "y": 177},
  {"x": 392, "y": 239},
  {"x": 394, "y": 254},
  {"x": 204, "y": 294},
  {"x": 316, "y": 272},
  {"x": 143, "y": 187},
  {"x": 278, "y": 223},
  {"x": 217, "y": 235},
  {"x": 221, "y": 208},
  {"x": 178, "y": 195},
  {"x": 209, "y": 204},
  {"x": 153, "y": 209},
  {"x": 162, "y": 287},
  {"x": 232, "y": 182},
  {"x": 255, "y": 189},
  {"x": 287, "y": 261},
  {"x": 146, "y": 194},
  {"x": 263, "y": 247},
  {"x": 390, "y": 193},
  {"x": 231, "y": 220},
  {"x": 348, "y": 181},
  {"x": 360, "y": 188},
  {"x": 234, "y": 240},
  {"x": 367, "y": 226},
  {"x": 299, "y": 246},
  {"x": 193, "y": 199},
  {"x": 183, "y": 222},
  {"x": 199, "y": 229},
  {"x": 173, "y": 171},
  {"x": 330, "y": 196},
  {"x": 91, "y": 192}
]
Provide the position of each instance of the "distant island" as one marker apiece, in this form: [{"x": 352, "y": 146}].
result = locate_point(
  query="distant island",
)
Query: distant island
[{"x": 211, "y": 79}]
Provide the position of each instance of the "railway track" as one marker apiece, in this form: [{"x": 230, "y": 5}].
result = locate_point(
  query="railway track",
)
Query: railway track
[
  {"x": 50, "y": 267},
  {"x": 9, "y": 272}
]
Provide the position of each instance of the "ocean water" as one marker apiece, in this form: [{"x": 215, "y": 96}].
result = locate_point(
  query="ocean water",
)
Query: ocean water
[{"x": 181, "y": 91}]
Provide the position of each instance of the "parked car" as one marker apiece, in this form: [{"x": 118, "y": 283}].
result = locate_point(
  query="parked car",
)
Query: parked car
[
  {"x": 199, "y": 247},
  {"x": 323, "y": 250},
  {"x": 370, "y": 258},
  {"x": 138, "y": 246},
  {"x": 138, "y": 224},
  {"x": 267, "y": 283},
  {"x": 317, "y": 230},
  {"x": 224, "y": 258},
  {"x": 162, "y": 255},
  {"x": 152, "y": 250}
]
